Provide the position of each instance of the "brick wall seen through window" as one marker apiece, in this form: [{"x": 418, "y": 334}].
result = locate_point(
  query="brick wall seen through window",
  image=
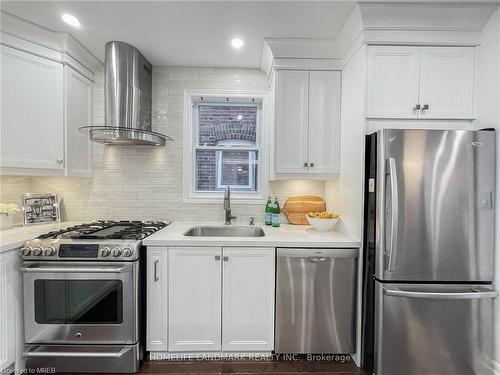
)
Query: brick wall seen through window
[{"x": 222, "y": 128}]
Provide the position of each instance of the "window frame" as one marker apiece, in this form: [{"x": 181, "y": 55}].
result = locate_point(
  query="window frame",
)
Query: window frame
[{"x": 192, "y": 98}]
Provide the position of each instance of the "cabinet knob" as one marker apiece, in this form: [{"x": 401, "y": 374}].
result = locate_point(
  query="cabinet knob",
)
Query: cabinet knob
[
  {"x": 417, "y": 107},
  {"x": 217, "y": 257},
  {"x": 425, "y": 107},
  {"x": 60, "y": 160},
  {"x": 225, "y": 259},
  {"x": 311, "y": 164},
  {"x": 305, "y": 165}
]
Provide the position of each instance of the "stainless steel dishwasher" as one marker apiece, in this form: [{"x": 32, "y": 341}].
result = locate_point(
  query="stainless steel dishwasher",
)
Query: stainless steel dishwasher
[{"x": 316, "y": 300}]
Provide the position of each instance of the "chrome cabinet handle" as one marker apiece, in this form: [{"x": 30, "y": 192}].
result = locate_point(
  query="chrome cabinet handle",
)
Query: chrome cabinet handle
[
  {"x": 394, "y": 214},
  {"x": 217, "y": 257},
  {"x": 311, "y": 164},
  {"x": 441, "y": 295},
  {"x": 425, "y": 107},
  {"x": 305, "y": 165},
  {"x": 226, "y": 258},
  {"x": 156, "y": 278},
  {"x": 417, "y": 107},
  {"x": 60, "y": 160}
]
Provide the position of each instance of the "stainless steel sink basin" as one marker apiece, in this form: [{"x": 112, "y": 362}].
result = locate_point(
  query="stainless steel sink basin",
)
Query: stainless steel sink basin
[{"x": 225, "y": 231}]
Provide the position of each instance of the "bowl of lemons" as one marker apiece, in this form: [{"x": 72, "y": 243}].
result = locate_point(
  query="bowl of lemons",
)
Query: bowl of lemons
[{"x": 322, "y": 221}]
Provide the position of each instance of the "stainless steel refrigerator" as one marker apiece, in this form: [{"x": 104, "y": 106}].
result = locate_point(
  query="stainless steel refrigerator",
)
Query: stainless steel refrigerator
[{"x": 428, "y": 252}]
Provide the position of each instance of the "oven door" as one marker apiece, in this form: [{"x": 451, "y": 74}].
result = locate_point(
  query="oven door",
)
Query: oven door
[{"x": 80, "y": 302}]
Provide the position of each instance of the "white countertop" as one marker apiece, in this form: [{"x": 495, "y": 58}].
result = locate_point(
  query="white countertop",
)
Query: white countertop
[
  {"x": 286, "y": 235},
  {"x": 15, "y": 237}
]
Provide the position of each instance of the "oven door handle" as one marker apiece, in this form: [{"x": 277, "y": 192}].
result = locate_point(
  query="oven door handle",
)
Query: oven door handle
[
  {"x": 75, "y": 269},
  {"x": 77, "y": 354}
]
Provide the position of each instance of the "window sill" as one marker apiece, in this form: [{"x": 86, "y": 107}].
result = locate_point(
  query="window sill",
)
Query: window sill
[{"x": 235, "y": 199}]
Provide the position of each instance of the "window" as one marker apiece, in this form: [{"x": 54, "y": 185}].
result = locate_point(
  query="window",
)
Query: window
[{"x": 224, "y": 147}]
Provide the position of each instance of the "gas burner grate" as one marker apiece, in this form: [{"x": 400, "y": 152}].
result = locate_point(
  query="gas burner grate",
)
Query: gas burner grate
[{"x": 103, "y": 229}]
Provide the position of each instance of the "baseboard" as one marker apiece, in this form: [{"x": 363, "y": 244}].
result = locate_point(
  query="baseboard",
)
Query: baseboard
[{"x": 209, "y": 356}]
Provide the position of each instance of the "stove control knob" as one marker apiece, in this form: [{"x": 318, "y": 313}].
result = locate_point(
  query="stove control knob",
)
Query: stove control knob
[
  {"x": 105, "y": 251},
  {"x": 48, "y": 251},
  {"x": 127, "y": 252},
  {"x": 36, "y": 251},
  {"x": 117, "y": 252},
  {"x": 25, "y": 251}
]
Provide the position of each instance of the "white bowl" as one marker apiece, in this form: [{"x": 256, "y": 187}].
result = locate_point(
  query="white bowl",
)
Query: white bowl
[{"x": 322, "y": 225}]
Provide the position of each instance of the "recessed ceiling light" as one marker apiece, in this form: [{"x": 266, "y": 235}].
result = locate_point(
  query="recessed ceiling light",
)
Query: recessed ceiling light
[
  {"x": 70, "y": 20},
  {"x": 237, "y": 43}
]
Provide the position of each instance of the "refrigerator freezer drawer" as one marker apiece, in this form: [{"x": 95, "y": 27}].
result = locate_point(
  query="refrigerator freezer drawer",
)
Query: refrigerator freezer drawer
[
  {"x": 433, "y": 329},
  {"x": 316, "y": 301}
]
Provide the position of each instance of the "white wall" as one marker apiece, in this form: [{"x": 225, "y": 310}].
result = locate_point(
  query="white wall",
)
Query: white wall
[
  {"x": 145, "y": 183},
  {"x": 488, "y": 110},
  {"x": 345, "y": 194}
]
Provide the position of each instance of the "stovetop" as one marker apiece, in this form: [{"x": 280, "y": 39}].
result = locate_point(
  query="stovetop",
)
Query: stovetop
[
  {"x": 97, "y": 241},
  {"x": 108, "y": 230}
]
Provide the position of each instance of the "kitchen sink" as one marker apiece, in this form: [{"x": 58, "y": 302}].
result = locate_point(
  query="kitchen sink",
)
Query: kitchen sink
[{"x": 225, "y": 231}]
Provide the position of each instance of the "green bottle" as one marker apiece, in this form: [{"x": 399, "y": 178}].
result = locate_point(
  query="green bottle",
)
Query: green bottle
[
  {"x": 276, "y": 214},
  {"x": 269, "y": 212}
]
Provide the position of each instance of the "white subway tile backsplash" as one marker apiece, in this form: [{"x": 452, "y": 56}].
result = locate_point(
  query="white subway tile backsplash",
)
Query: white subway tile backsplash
[{"x": 145, "y": 183}]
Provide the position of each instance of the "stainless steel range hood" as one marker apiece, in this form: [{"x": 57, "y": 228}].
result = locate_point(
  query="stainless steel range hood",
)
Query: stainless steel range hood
[{"x": 127, "y": 99}]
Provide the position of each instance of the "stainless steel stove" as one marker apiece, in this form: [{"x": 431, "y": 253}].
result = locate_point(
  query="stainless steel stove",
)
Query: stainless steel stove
[{"x": 84, "y": 297}]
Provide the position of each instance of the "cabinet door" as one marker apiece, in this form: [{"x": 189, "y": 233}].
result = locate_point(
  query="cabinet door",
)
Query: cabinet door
[
  {"x": 78, "y": 112},
  {"x": 11, "y": 336},
  {"x": 248, "y": 299},
  {"x": 291, "y": 117},
  {"x": 393, "y": 76},
  {"x": 157, "y": 334},
  {"x": 447, "y": 82},
  {"x": 324, "y": 122},
  {"x": 194, "y": 299},
  {"x": 32, "y": 111}
]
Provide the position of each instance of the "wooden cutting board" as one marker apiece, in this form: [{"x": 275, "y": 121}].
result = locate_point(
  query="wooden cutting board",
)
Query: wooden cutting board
[{"x": 298, "y": 206}]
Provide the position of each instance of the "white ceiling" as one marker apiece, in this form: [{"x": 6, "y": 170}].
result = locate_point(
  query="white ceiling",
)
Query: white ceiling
[{"x": 188, "y": 33}]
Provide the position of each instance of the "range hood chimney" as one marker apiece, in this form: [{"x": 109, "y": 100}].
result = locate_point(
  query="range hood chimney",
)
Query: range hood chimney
[{"x": 127, "y": 99}]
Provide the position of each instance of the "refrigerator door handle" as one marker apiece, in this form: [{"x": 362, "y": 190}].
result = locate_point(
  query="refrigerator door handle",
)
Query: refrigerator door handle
[
  {"x": 394, "y": 214},
  {"x": 476, "y": 293}
]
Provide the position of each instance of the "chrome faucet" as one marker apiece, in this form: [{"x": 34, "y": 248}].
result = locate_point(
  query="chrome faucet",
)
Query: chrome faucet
[{"x": 227, "y": 205}]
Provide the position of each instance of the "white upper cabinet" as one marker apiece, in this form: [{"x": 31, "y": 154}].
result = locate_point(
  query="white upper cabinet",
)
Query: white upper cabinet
[
  {"x": 307, "y": 123},
  {"x": 248, "y": 299},
  {"x": 78, "y": 112},
  {"x": 420, "y": 82},
  {"x": 447, "y": 82},
  {"x": 44, "y": 102},
  {"x": 291, "y": 118},
  {"x": 393, "y": 75},
  {"x": 32, "y": 112},
  {"x": 324, "y": 122},
  {"x": 194, "y": 299}
]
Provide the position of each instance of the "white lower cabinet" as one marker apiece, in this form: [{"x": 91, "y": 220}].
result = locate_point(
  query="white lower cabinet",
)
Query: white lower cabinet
[
  {"x": 248, "y": 299},
  {"x": 11, "y": 337},
  {"x": 194, "y": 299},
  {"x": 213, "y": 299},
  {"x": 157, "y": 281}
]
